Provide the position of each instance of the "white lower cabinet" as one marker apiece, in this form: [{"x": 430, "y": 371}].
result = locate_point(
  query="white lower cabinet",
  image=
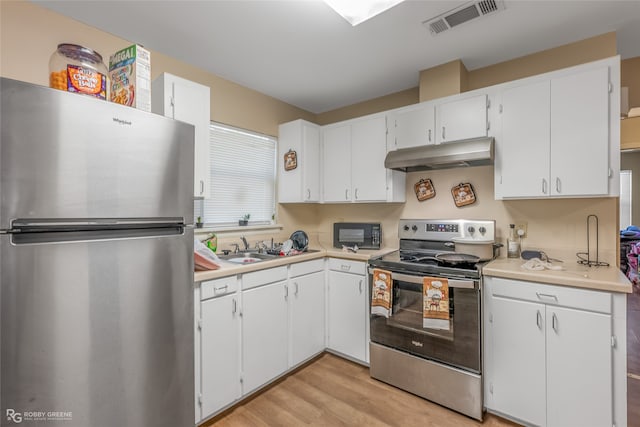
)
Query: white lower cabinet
[
  {"x": 254, "y": 327},
  {"x": 307, "y": 316},
  {"x": 217, "y": 312},
  {"x": 347, "y": 309},
  {"x": 220, "y": 353},
  {"x": 264, "y": 334},
  {"x": 549, "y": 354}
]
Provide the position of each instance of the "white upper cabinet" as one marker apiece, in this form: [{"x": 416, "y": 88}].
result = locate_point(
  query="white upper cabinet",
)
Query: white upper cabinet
[
  {"x": 525, "y": 150},
  {"x": 368, "y": 150},
  {"x": 412, "y": 126},
  {"x": 560, "y": 134},
  {"x": 580, "y": 133},
  {"x": 461, "y": 119},
  {"x": 302, "y": 182},
  {"x": 189, "y": 102},
  {"x": 353, "y": 163},
  {"x": 336, "y": 161}
]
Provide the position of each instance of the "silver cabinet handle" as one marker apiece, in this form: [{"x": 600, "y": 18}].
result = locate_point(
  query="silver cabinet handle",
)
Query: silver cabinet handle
[
  {"x": 546, "y": 297},
  {"x": 558, "y": 185},
  {"x": 346, "y": 194},
  {"x": 554, "y": 322},
  {"x": 429, "y": 135},
  {"x": 539, "y": 319},
  {"x": 544, "y": 186},
  {"x": 360, "y": 286},
  {"x": 295, "y": 292},
  {"x": 308, "y": 194},
  {"x": 220, "y": 289},
  {"x": 356, "y": 194},
  {"x": 443, "y": 132},
  {"x": 235, "y": 306},
  {"x": 286, "y": 291},
  {"x": 345, "y": 267},
  {"x": 201, "y": 187}
]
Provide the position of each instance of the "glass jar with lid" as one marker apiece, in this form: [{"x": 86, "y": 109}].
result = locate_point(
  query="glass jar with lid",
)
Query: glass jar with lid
[{"x": 78, "y": 69}]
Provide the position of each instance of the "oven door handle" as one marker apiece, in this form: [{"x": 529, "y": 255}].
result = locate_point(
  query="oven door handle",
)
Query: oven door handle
[{"x": 453, "y": 283}]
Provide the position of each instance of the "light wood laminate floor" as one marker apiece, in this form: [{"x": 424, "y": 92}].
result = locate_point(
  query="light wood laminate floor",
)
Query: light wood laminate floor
[{"x": 332, "y": 391}]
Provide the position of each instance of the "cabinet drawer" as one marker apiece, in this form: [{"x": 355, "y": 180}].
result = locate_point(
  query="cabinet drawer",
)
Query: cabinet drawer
[
  {"x": 307, "y": 267},
  {"x": 262, "y": 277},
  {"x": 552, "y": 295},
  {"x": 347, "y": 266},
  {"x": 218, "y": 287}
]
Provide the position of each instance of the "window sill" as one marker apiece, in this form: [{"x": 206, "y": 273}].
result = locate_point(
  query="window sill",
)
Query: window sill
[{"x": 236, "y": 230}]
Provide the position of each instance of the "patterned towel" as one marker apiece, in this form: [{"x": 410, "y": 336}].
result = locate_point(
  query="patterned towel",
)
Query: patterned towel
[
  {"x": 435, "y": 298},
  {"x": 381, "y": 293}
]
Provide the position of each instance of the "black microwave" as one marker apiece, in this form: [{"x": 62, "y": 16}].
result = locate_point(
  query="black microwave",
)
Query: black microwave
[{"x": 365, "y": 235}]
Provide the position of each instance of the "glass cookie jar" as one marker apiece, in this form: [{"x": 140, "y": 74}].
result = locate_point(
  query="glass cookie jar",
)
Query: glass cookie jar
[{"x": 78, "y": 69}]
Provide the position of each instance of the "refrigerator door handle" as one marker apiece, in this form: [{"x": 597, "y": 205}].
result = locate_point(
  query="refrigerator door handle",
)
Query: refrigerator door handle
[
  {"x": 34, "y": 234},
  {"x": 27, "y": 225}
]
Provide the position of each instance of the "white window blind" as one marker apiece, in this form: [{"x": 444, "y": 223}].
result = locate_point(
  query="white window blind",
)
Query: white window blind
[{"x": 242, "y": 178}]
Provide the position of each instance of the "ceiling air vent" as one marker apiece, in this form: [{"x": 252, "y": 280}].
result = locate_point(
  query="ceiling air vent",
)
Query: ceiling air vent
[{"x": 462, "y": 14}]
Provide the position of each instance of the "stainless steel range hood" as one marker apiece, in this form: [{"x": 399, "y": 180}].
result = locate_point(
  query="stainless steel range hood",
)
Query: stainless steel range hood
[{"x": 468, "y": 152}]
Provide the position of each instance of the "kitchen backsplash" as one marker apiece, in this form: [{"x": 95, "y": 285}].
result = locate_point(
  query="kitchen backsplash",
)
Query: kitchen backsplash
[{"x": 552, "y": 225}]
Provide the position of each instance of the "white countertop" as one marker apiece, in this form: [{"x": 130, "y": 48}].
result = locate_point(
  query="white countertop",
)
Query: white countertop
[
  {"x": 608, "y": 279},
  {"x": 229, "y": 269}
]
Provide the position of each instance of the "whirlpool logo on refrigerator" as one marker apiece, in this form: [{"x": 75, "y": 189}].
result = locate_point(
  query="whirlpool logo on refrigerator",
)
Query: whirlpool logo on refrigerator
[{"x": 17, "y": 417}]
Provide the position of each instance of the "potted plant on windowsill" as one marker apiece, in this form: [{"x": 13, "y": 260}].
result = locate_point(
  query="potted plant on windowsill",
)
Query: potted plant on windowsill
[
  {"x": 199, "y": 223},
  {"x": 244, "y": 220}
]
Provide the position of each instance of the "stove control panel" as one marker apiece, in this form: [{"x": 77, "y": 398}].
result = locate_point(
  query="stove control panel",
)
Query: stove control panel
[{"x": 447, "y": 229}]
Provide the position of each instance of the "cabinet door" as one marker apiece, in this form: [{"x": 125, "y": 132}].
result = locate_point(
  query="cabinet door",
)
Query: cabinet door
[
  {"x": 189, "y": 102},
  {"x": 461, "y": 119},
  {"x": 337, "y": 164},
  {"x": 518, "y": 353},
  {"x": 220, "y": 353},
  {"x": 524, "y": 148},
  {"x": 191, "y": 105},
  {"x": 307, "y": 316},
  {"x": 347, "y": 314},
  {"x": 414, "y": 127},
  {"x": 310, "y": 163},
  {"x": 579, "y": 378},
  {"x": 302, "y": 183},
  {"x": 368, "y": 150},
  {"x": 580, "y": 134},
  {"x": 264, "y": 334}
]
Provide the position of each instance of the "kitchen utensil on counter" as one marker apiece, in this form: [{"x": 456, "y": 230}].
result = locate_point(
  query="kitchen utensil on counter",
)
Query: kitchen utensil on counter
[
  {"x": 300, "y": 240},
  {"x": 452, "y": 258},
  {"x": 529, "y": 254},
  {"x": 585, "y": 258},
  {"x": 485, "y": 250},
  {"x": 287, "y": 246}
]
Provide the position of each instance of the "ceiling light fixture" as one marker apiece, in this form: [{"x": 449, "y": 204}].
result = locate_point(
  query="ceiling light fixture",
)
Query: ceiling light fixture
[{"x": 358, "y": 11}]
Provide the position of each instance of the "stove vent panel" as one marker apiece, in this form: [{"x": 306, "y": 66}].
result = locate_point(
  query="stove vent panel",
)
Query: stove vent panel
[{"x": 462, "y": 14}]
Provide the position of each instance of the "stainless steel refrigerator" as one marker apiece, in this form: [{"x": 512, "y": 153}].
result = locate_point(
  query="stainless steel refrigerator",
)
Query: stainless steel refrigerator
[{"x": 96, "y": 270}]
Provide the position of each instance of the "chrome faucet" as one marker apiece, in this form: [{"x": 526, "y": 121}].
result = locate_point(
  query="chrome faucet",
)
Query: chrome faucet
[
  {"x": 236, "y": 249},
  {"x": 246, "y": 244}
]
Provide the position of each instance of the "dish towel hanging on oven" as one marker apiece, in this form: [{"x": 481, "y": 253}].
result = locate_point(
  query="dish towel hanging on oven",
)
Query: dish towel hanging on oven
[
  {"x": 381, "y": 293},
  {"x": 435, "y": 298}
]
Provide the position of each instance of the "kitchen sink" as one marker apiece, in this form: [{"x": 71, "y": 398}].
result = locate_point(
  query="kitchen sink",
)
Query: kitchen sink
[{"x": 246, "y": 257}]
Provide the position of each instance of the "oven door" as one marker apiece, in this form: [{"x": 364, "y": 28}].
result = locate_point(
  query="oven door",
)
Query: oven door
[{"x": 458, "y": 345}]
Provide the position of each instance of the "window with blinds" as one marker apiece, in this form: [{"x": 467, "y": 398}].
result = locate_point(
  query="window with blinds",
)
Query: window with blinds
[{"x": 242, "y": 177}]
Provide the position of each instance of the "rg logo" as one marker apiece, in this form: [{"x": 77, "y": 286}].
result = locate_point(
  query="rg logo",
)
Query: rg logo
[{"x": 14, "y": 416}]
